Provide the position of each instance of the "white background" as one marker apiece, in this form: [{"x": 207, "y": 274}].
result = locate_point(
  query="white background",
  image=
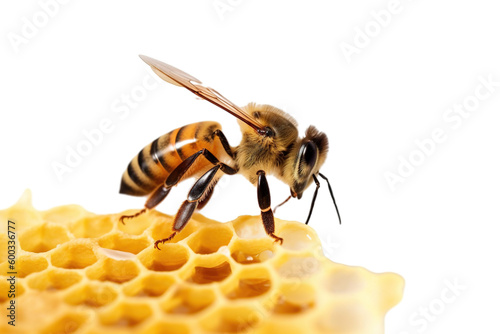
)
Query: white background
[{"x": 440, "y": 224}]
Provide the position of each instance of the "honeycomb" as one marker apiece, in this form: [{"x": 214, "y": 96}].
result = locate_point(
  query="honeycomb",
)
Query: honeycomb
[{"x": 78, "y": 272}]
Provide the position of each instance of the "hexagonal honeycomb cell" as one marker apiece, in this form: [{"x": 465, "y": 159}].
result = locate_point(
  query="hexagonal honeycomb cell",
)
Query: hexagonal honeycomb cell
[
  {"x": 69, "y": 323},
  {"x": 126, "y": 314},
  {"x": 149, "y": 285},
  {"x": 91, "y": 294},
  {"x": 250, "y": 282},
  {"x": 208, "y": 269},
  {"x": 170, "y": 258},
  {"x": 78, "y": 272},
  {"x": 28, "y": 263},
  {"x": 252, "y": 251},
  {"x": 53, "y": 279},
  {"x": 189, "y": 300},
  {"x": 294, "y": 298},
  {"x": 117, "y": 271},
  {"x": 210, "y": 239},
  {"x": 75, "y": 255},
  {"x": 44, "y": 237}
]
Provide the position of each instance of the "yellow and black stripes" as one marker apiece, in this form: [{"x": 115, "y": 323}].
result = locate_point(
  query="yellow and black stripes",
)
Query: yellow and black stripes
[
  {"x": 154, "y": 163},
  {"x": 143, "y": 173}
]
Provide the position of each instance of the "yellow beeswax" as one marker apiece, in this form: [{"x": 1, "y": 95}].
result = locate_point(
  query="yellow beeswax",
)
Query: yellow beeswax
[{"x": 78, "y": 272}]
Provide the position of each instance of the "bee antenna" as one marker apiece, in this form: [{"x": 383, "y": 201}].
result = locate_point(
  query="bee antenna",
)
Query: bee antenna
[
  {"x": 331, "y": 193},
  {"x": 314, "y": 198}
]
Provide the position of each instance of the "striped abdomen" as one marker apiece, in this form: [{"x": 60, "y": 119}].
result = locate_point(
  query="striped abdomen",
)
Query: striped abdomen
[{"x": 154, "y": 163}]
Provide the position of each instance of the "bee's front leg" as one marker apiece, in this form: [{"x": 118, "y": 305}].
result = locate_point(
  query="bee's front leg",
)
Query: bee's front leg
[{"x": 264, "y": 197}]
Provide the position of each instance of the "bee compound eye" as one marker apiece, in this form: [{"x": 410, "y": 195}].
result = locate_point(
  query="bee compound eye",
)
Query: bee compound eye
[{"x": 310, "y": 154}]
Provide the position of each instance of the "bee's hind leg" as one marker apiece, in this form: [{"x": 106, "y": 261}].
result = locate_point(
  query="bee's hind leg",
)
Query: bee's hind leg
[
  {"x": 197, "y": 194},
  {"x": 208, "y": 194},
  {"x": 138, "y": 213},
  {"x": 153, "y": 200}
]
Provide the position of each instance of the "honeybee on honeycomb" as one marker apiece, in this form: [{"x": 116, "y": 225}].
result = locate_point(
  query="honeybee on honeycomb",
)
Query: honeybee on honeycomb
[
  {"x": 73, "y": 271},
  {"x": 270, "y": 145}
]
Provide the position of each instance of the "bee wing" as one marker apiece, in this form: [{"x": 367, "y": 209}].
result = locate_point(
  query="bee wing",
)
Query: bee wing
[{"x": 179, "y": 78}]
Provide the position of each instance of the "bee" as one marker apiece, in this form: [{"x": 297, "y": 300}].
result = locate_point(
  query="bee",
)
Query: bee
[{"x": 270, "y": 145}]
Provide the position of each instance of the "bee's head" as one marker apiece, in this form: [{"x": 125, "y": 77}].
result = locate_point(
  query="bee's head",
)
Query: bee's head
[{"x": 310, "y": 156}]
